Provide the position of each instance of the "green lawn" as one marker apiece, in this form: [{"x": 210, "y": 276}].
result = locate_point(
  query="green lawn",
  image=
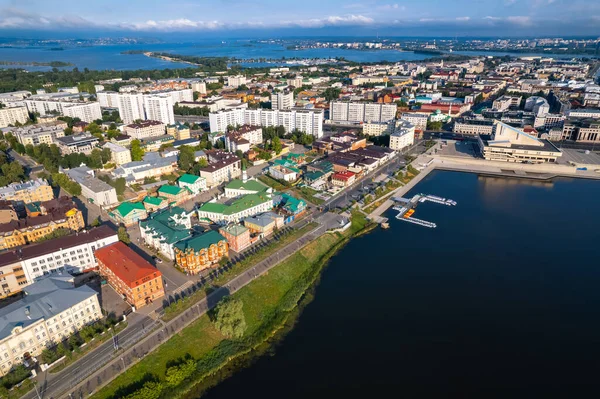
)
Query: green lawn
[
  {"x": 268, "y": 302},
  {"x": 308, "y": 194},
  {"x": 269, "y": 181}
]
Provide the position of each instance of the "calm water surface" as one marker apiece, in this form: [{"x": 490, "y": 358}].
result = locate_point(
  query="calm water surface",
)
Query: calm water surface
[{"x": 502, "y": 300}]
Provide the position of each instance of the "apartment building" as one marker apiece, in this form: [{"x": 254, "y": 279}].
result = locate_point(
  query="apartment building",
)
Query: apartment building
[
  {"x": 377, "y": 128},
  {"x": 77, "y": 144},
  {"x": 87, "y": 112},
  {"x": 52, "y": 311},
  {"x": 243, "y": 138},
  {"x": 159, "y": 107},
  {"x": 504, "y": 103},
  {"x": 61, "y": 213},
  {"x": 65, "y": 105},
  {"x": 144, "y": 129},
  {"x": 12, "y": 116},
  {"x": 473, "y": 126},
  {"x": 222, "y": 167},
  {"x": 282, "y": 100},
  {"x": 46, "y": 133},
  {"x": 95, "y": 190},
  {"x": 130, "y": 275},
  {"x": 236, "y": 81},
  {"x": 37, "y": 190},
  {"x": 118, "y": 154},
  {"x": 341, "y": 111},
  {"x": 403, "y": 135},
  {"x": 417, "y": 119},
  {"x": 131, "y": 106}
]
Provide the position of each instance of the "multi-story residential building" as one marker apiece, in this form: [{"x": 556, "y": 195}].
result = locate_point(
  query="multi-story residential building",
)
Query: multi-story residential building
[
  {"x": 180, "y": 132},
  {"x": 46, "y": 133},
  {"x": 12, "y": 116},
  {"x": 309, "y": 121},
  {"x": 37, "y": 190},
  {"x": 162, "y": 230},
  {"x": 417, "y": 119},
  {"x": 504, "y": 103},
  {"x": 361, "y": 112},
  {"x": 538, "y": 105},
  {"x": 200, "y": 252},
  {"x": 178, "y": 96},
  {"x": 377, "y": 128},
  {"x": 129, "y": 213},
  {"x": 548, "y": 121},
  {"x": 195, "y": 184},
  {"x": 118, "y": 154},
  {"x": 77, "y": 144},
  {"x": 95, "y": 190},
  {"x": 144, "y": 129},
  {"x": 131, "y": 107},
  {"x": 237, "y": 235},
  {"x": 52, "y": 310},
  {"x": 243, "y": 138},
  {"x": 510, "y": 144},
  {"x": 14, "y": 98},
  {"x": 473, "y": 126},
  {"x": 72, "y": 254},
  {"x": 222, "y": 168},
  {"x": 108, "y": 99},
  {"x": 61, "y": 214},
  {"x": 199, "y": 87},
  {"x": 130, "y": 275},
  {"x": 159, "y": 107},
  {"x": 236, "y": 81},
  {"x": 242, "y": 207},
  {"x": 283, "y": 100},
  {"x": 582, "y": 130},
  {"x": 152, "y": 165},
  {"x": 403, "y": 135},
  {"x": 84, "y": 110}
]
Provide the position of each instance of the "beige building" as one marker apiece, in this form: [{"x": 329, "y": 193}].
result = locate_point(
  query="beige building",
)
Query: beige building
[
  {"x": 377, "y": 128},
  {"x": 179, "y": 132},
  {"x": 45, "y": 133},
  {"x": 473, "y": 126},
  {"x": 510, "y": 144},
  {"x": 145, "y": 129},
  {"x": 52, "y": 311},
  {"x": 77, "y": 144},
  {"x": 12, "y": 116},
  {"x": 222, "y": 171},
  {"x": 118, "y": 154},
  {"x": 31, "y": 191}
]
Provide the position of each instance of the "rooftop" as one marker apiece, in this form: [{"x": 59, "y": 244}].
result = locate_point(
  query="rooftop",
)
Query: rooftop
[
  {"x": 200, "y": 242},
  {"x": 126, "y": 264}
]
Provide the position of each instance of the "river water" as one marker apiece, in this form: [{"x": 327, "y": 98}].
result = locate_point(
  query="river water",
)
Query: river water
[
  {"x": 110, "y": 57},
  {"x": 500, "y": 301}
]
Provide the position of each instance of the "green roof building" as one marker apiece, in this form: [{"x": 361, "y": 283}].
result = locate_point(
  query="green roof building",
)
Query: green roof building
[
  {"x": 163, "y": 229},
  {"x": 129, "y": 213},
  {"x": 194, "y": 183},
  {"x": 237, "y": 187},
  {"x": 244, "y": 206}
]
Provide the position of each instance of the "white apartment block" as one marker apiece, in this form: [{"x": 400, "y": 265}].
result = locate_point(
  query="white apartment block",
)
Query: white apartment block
[
  {"x": 95, "y": 190},
  {"x": 176, "y": 95},
  {"x": 419, "y": 120},
  {"x": 145, "y": 129},
  {"x": 131, "y": 107},
  {"x": 309, "y": 121},
  {"x": 86, "y": 111},
  {"x": 51, "y": 312},
  {"x": 14, "y": 98},
  {"x": 361, "y": 112},
  {"x": 403, "y": 136},
  {"x": 282, "y": 100},
  {"x": 12, "y": 116},
  {"x": 38, "y": 134},
  {"x": 236, "y": 81},
  {"x": 506, "y": 102},
  {"x": 199, "y": 87},
  {"x": 159, "y": 107},
  {"x": 538, "y": 105},
  {"x": 108, "y": 99},
  {"x": 473, "y": 127},
  {"x": 585, "y": 113}
]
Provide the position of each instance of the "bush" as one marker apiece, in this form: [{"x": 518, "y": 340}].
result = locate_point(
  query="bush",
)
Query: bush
[{"x": 15, "y": 376}]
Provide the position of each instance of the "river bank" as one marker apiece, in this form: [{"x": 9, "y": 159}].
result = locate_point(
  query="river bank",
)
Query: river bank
[{"x": 271, "y": 306}]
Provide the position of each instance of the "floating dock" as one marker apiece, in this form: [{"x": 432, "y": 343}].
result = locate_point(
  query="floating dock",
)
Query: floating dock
[{"x": 406, "y": 208}]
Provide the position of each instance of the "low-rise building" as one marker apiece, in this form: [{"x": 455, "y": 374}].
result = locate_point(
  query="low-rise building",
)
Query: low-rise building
[
  {"x": 95, "y": 190},
  {"x": 153, "y": 165},
  {"x": 7, "y": 212},
  {"x": 473, "y": 126},
  {"x": 77, "y": 144},
  {"x": 179, "y": 131},
  {"x": 118, "y": 155},
  {"x": 153, "y": 204},
  {"x": 195, "y": 184},
  {"x": 200, "y": 252},
  {"x": 417, "y": 119},
  {"x": 343, "y": 179},
  {"x": 52, "y": 311},
  {"x": 225, "y": 168},
  {"x": 242, "y": 207},
  {"x": 175, "y": 194},
  {"x": 243, "y": 138},
  {"x": 237, "y": 188},
  {"x": 130, "y": 275},
  {"x": 162, "y": 230},
  {"x": 44, "y": 133},
  {"x": 144, "y": 129},
  {"x": 377, "y": 128},
  {"x": 260, "y": 225},
  {"x": 237, "y": 236},
  {"x": 37, "y": 190},
  {"x": 129, "y": 213}
]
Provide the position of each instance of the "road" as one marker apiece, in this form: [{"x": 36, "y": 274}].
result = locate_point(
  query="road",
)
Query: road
[{"x": 79, "y": 380}]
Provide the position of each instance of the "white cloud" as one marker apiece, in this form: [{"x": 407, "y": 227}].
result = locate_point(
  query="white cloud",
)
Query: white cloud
[
  {"x": 463, "y": 18},
  {"x": 519, "y": 20},
  {"x": 330, "y": 21}
]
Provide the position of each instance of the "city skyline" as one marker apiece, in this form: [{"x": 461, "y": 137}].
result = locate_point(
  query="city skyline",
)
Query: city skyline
[{"x": 267, "y": 17}]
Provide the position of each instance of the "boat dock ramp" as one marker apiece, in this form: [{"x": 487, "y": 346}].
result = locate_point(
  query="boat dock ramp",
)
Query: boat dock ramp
[{"x": 406, "y": 208}]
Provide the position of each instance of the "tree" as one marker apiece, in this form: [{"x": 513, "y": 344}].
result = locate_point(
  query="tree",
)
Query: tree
[
  {"x": 175, "y": 375},
  {"x": 276, "y": 145},
  {"x": 123, "y": 235},
  {"x": 137, "y": 153},
  {"x": 120, "y": 185},
  {"x": 49, "y": 356},
  {"x": 229, "y": 318},
  {"x": 95, "y": 222},
  {"x": 186, "y": 158},
  {"x": 106, "y": 155},
  {"x": 150, "y": 390},
  {"x": 95, "y": 159},
  {"x": 332, "y": 93}
]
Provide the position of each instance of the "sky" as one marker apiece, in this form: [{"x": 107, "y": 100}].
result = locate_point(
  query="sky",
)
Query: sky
[{"x": 307, "y": 17}]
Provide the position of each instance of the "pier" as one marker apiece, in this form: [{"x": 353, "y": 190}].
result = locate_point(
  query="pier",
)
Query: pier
[{"x": 406, "y": 208}]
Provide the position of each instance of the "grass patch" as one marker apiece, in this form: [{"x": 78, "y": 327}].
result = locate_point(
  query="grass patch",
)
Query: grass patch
[
  {"x": 185, "y": 303},
  {"x": 269, "y": 181},
  {"x": 269, "y": 303},
  {"x": 308, "y": 194}
]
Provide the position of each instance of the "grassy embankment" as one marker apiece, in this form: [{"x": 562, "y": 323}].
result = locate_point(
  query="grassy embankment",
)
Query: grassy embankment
[
  {"x": 185, "y": 303},
  {"x": 271, "y": 306}
]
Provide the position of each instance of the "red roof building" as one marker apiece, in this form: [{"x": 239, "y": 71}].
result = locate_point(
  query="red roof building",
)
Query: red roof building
[
  {"x": 343, "y": 179},
  {"x": 129, "y": 274}
]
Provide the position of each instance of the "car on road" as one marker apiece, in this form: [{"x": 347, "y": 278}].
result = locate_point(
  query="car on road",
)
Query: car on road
[{"x": 157, "y": 259}]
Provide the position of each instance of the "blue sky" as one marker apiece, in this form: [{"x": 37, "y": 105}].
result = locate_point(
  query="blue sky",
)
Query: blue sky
[{"x": 401, "y": 18}]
